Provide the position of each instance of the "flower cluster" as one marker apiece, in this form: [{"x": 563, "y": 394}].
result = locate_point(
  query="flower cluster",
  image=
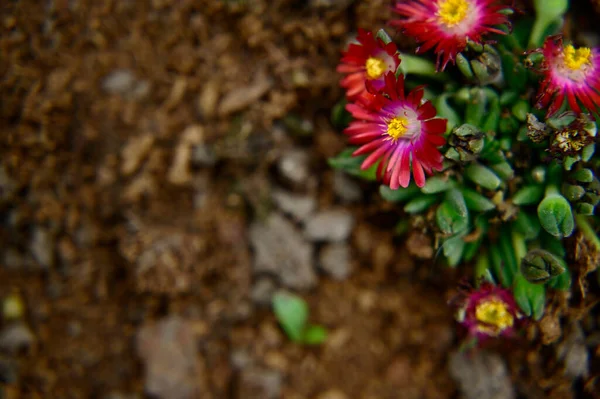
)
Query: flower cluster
[{"x": 499, "y": 174}]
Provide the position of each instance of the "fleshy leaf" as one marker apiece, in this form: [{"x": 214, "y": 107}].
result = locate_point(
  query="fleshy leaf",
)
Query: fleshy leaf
[{"x": 292, "y": 313}]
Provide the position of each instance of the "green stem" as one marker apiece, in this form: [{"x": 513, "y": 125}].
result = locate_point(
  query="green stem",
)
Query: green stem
[
  {"x": 587, "y": 230},
  {"x": 552, "y": 190}
]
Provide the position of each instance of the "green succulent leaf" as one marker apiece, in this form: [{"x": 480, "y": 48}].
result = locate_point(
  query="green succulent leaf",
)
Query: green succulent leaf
[
  {"x": 561, "y": 282},
  {"x": 482, "y": 270},
  {"x": 483, "y": 176},
  {"x": 437, "y": 184},
  {"x": 499, "y": 268},
  {"x": 399, "y": 195},
  {"x": 556, "y": 216},
  {"x": 583, "y": 175},
  {"x": 352, "y": 165},
  {"x": 453, "y": 249},
  {"x": 530, "y": 297},
  {"x": 527, "y": 225},
  {"x": 464, "y": 66},
  {"x": 340, "y": 118},
  {"x": 382, "y": 34},
  {"x": 314, "y": 335},
  {"x": 477, "y": 202},
  {"x": 292, "y": 313},
  {"x": 420, "y": 203},
  {"x": 528, "y": 195}
]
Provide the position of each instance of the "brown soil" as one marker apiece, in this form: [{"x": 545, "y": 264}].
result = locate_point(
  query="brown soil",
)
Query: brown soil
[{"x": 106, "y": 228}]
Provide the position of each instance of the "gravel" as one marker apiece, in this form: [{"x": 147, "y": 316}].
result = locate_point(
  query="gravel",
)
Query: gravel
[
  {"x": 259, "y": 383},
  {"x": 481, "y": 375},
  {"x": 330, "y": 225},
  {"x": 280, "y": 249},
  {"x": 335, "y": 261},
  {"x": 300, "y": 207},
  {"x": 294, "y": 167},
  {"x": 16, "y": 337},
  {"x": 168, "y": 351}
]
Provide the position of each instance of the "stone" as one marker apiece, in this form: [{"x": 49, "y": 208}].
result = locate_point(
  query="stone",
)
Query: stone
[
  {"x": 42, "y": 247},
  {"x": 179, "y": 172},
  {"x": 168, "y": 351},
  {"x": 294, "y": 167},
  {"x": 280, "y": 249},
  {"x": 203, "y": 155},
  {"x": 335, "y": 261},
  {"x": 242, "y": 97},
  {"x": 575, "y": 355},
  {"x": 119, "y": 81},
  {"x": 481, "y": 375},
  {"x": 300, "y": 207},
  {"x": 16, "y": 337},
  {"x": 125, "y": 83},
  {"x": 134, "y": 152},
  {"x": 346, "y": 188},
  {"x": 259, "y": 383},
  {"x": 332, "y": 225}
]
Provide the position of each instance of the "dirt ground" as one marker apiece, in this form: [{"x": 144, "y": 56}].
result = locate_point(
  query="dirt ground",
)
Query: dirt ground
[{"x": 149, "y": 149}]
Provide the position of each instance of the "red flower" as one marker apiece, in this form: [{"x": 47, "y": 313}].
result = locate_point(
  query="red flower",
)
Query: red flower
[
  {"x": 571, "y": 73},
  {"x": 490, "y": 311},
  {"x": 367, "y": 61},
  {"x": 399, "y": 131},
  {"x": 448, "y": 24}
]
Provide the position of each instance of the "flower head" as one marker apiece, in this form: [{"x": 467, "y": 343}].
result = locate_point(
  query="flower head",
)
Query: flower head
[
  {"x": 369, "y": 60},
  {"x": 398, "y": 131},
  {"x": 448, "y": 24},
  {"x": 569, "y": 73},
  {"x": 489, "y": 311}
]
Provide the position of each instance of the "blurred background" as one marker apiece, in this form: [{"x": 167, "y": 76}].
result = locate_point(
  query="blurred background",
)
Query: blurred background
[{"x": 163, "y": 172}]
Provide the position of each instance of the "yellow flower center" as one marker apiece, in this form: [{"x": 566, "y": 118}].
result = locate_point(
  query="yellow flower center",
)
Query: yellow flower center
[
  {"x": 452, "y": 12},
  {"x": 574, "y": 59},
  {"x": 375, "y": 67},
  {"x": 494, "y": 312},
  {"x": 397, "y": 127}
]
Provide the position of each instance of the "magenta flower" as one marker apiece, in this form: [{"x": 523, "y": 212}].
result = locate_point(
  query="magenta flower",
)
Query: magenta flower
[
  {"x": 569, "y": 73},
  {"x": 369, "y": 60},
  {"x": 489, "y": 311},
  {"x": 398, "y": 131},
  {"x": 446, "y": 25}
]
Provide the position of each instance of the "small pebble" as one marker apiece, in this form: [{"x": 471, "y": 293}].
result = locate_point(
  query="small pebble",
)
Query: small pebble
[{"x": 332, "y": 225}]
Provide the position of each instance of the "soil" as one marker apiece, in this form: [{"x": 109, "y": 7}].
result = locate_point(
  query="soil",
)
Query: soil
[{"x": 141, "y": 141}]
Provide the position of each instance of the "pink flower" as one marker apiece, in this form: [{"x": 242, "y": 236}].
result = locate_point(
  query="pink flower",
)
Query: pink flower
[
  {"x": 489, "y": 311},
  {"x": 569, "y": 73},
  {"x": 397, "y": 131},
  {"x": 368, "y": 60},
  {"x": 448, "y": 24}
]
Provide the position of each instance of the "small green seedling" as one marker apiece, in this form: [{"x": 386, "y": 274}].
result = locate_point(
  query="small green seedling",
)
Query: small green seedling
[{"x": 292, "y": 313}]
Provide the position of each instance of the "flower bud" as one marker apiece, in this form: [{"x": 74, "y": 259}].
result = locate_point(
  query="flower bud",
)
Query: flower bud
[{"x": 539, "y": 266}]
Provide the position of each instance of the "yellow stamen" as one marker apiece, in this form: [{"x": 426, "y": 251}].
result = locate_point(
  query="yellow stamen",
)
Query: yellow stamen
[
  {"x": 452, "y": 12},
  {"x": 574, "y": 59},
  {"x": 494, "y": 312},
  {"x": 375, "y": 67},
  {"x": 397, "y": 127}
]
